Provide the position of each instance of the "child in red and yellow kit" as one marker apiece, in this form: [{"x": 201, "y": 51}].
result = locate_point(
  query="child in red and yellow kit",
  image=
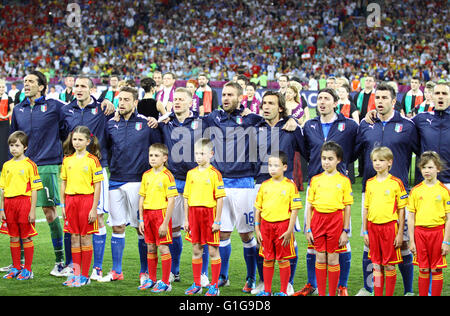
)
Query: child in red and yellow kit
[
  {"x": 156, "y": 203},
  {"x": 277, "y": 204},
  {"x": 203, "y": 200},
  {"x": 383, "y": 221},
  {"x": 19, "y": 183},
  {"x": 328, "y": 217},
  {"x": 81, "y": 175},
  {"x": 429, "y": 231}
]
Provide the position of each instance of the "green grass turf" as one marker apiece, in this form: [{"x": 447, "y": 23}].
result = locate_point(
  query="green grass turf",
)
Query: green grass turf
[{"x": 44, "y": 284}]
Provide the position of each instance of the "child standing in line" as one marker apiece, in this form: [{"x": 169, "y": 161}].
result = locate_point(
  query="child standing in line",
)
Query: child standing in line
[
  {"x": 81, "y": 175},
  {"x": 19, "y": 183},
  {"x": 328, "y": 217},
  {"x": 383, "y": 220},
  {"x": 277, "y": 204},
  {"x": 156, "y": 202},
  {"x": 203, "y": 200},
  {"x": 429, "y": 231}
]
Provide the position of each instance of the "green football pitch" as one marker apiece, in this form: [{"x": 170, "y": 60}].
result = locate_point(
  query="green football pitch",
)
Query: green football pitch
[{"x": 44, "y": 284}]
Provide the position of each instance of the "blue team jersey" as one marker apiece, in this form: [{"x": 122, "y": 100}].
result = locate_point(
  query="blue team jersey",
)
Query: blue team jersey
[
  {"x": 235, "y": 142},
  {"x": 342, "y": 131},
  {"x": 399, "y": 134},
  {"x": 91, "y": 116},
  {"x": 180, "y": 139},
  {"x": 43, "y": 123},
  {"x": 128, "y": 143},
  {"x": 276, "y": 139},
  {"x": 434, "y": 133}
]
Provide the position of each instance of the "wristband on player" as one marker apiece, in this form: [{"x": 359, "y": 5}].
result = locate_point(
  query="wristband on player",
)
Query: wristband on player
[
  {"x": 141, "y": 221},
  {"x": 346, "y": 230},
  {"x": 1, "y": 209},
  {"x": 446, "y": 242},
  {"x": 309, "y": 230},
  {"x": 257, "y": 224},
  {"x": 62, "y": 205},
  {"x": 218, "y": 223},
  {"x": 365, "y": 232}
]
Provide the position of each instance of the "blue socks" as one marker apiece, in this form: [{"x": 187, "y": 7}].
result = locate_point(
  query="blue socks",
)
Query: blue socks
[
  {"x": 260, "y": 264},
  {"x": 175, "y": 251},
  {"x": 367, "y": 271},
  {"x": 407, "y": 270},
  {"x": 142, "y": 247},
  {"x": 98, "y": 242},
  {"x": 293, "y": 263},
  {"x": 205, "y": 260},
  {"x": 250, "y": 254},
  {"x": 68, "y": 248},
  {"x": 225, "y": 252},
  {"x": 345, "y": 260},
  {"x": 117, "y": 247},
  {"x": 311, "y": 267}
]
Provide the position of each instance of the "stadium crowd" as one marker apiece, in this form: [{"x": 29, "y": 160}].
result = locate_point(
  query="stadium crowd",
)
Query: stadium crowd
[{"x": 257, "y": 38}]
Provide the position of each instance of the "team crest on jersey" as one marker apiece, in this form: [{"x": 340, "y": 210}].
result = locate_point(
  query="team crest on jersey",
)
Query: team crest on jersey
[
  {"x": 398, "y": 127},
  {"x": 94, "y": 111},
  {"x": 138, "y": 126},
  {"x": 194, "y": 125},
  {"x": 387, "y": 192},
  {"x": 239, "y": 120},
  {"x": 44, "y": 108},
  {"x": 341, "y": 127}
]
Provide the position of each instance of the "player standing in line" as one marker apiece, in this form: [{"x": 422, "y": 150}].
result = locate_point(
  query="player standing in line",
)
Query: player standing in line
[
  {"x": 81, "y": 175},
  {"x": 399, "y": 134},
  {"x": 434, "y": 128},
  {"x": 156, "y": 202},
  {"x": 277, "y": 204},
  {"x": 384, "y": 220},
  {"x": 328, "y": 217},
  {"x": 87, "y": 111},
  {"x": 128, "y": 141},
  {"x": 179, "y": 135},
  {"x": 234, "y": 139},
  {"x": 328, "y": 126},
  {"x": 19, "y": 183},
  {"x": 271, "y": 137},
  {"x": 35, "y": 113},
  {"x": 203, "y": 200},
  {"x": 429, "y": 220}
]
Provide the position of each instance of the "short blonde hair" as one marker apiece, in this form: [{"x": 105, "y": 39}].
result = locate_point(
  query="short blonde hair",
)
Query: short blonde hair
[
  {"x": 161, "y": 148},
  {"x": 204, "y": 142},
  {"x": 382, "y": 152}
]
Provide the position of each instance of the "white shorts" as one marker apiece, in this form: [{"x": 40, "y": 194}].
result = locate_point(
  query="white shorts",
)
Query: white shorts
[
  {"x": 103, "y": 203},
  {"x": 405, "y": 230},
  {"x": 124, "y": 205},
  {"x": 237, "y": 210},
  {"x": 178, "y": 212}
]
